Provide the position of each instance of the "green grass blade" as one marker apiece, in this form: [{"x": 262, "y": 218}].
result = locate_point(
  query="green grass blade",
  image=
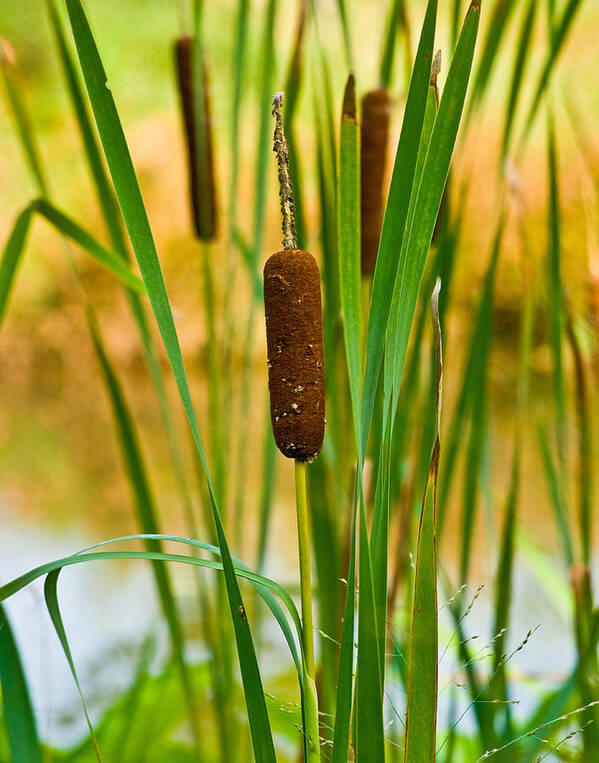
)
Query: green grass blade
[
  {"x": 395, "y": 218},
  {"x": 473, "y": 375},
  {"x": 348, "y": 237},
  {"x": 585, "y": 448},
  {"x": 113, "y": 262},
  {"x": 523, "y": 48},
  {"x": 11, "y": 256},
  {"x": 23, "y": 742},
  {"x": 106, "y": 199},
  {"x": 389, "y": 45},
  {"x": 240, "y": 48},
  {"x": 505, "y": 565},
  {"x": 556, "y": 301},
  {"x": 146, "y": 510},
  {"x": 499, "y": 20},
  {"x": 346, "y": 660},
  {"x": 23, "y": 123},
  {"x": 349, "y": 60},
  {"x": 421, "y": 720},
  {"x": 370, "y": 737},
  {"x": 391, "y": 380},
  {"x": 51, "y": 597},
  {"x": 556, "y": 495},
  {"x": 136, "y": 220},
  {"x": 434, "y": 176},
  {"x": 558, "y": 39}
]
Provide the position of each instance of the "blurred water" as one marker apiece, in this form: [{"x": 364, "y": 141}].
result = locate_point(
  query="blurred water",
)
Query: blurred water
[{"x": 109, "y": 608}]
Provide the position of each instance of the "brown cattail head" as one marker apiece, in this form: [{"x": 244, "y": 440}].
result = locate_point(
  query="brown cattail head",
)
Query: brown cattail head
[
  {"x": 293, "y": 309},
  {"x": 198, "y": 135},
  {"x": 376, "y": 109}
]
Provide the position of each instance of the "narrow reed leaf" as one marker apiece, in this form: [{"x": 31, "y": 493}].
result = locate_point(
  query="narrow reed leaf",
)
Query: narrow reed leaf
[
  {"x": 348, "y": 238},
  {"x": 395, "y": 218},
  {"x": 556, "y": 302},
  {"x": 585, "y": 459},
  {"x": 556, "y": 494},
  {"x": 23, "y": 741},
  {"x": 434, "y": 176},
  {"x": 11, "y": 256},
  {"x": 473, "y": 375},
  {"x": 136, "y": 220},
  {"x": 15, "y": 247},
  {"x": 23, "y": 121},
  {"x": 370, "y": 737},
  {"x": 346, "y": 659},
  {"x": 70, "y": 229},
  {"x": 104, "y": 191},
  {"x": 341, "y": 7},
  {"x": 505, "y": 565},
  {"x": 390, "y": 42},
  {"x": 558, "y": 39},
  {"x": 421, "y": 719},
  {"x": 523, "y": 49},
  {"x": 51, "y": 597},
  {"x": 391, "y": 379},
  {"x": 498, "y": 23},
  {"x": 145, "y": 509},
  {"x": 240, "y": 48}
]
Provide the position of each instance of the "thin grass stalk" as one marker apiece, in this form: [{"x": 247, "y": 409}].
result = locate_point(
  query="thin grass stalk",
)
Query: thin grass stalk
[
  {"x": 523, "y": 48},
  {"x": 585, "y": 474},
  {"x": 499, "y": 689},
  {"x": 421, "y": 716}
]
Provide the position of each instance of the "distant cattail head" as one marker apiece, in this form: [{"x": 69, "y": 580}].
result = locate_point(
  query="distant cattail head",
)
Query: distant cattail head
[
  {"x": 376, "y": 110},
  {"x": 197, "y": 123}
]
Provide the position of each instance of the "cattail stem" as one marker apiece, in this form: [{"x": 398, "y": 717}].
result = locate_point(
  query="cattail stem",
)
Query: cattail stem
[{"x": 303, "y": 534}]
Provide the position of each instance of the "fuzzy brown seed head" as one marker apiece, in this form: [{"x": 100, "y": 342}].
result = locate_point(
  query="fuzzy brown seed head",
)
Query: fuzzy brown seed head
[
  {"x": 202, "y": 188},
  {"x": 376, "y": 109},
  {"x": 292, "y": 303}
]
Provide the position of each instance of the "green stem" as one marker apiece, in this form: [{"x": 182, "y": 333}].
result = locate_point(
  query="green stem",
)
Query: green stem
[{"x": 303, "y": 535}]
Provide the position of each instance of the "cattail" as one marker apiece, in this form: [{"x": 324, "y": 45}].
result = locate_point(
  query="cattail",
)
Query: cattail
[
  {"x": 201, "y": 169},
  {"x": 376, "y": 109},
  {"x": 294, "y": 341}
]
